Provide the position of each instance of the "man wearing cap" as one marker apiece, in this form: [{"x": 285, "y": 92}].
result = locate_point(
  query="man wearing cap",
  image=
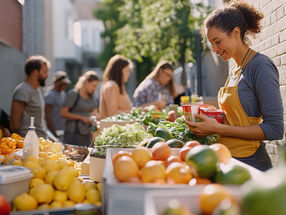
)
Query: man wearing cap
[{"x": 54, "y": 99}]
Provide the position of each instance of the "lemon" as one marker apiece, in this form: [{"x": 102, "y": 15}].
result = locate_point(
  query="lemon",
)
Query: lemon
[
  {"x": 50, "y": 165},
  {"x": 63, "y": 179},
  {"x": 75, "y": 172},
  {"x": 39, "y": 172},
  {"x": 56, "y": 204},
  {"x": 99, "y": 187},
  {"x": 31, "y": 165},
  {"x": 68, "y": 203},
  {"x": 32, "y": 159},
  {"x": 89, "y": 185},
  {"x": 35, "y": 182},
  {"x": 44, "y": 207},
  {"x": 43, "y": 193},
  {"x": 63, "y": 163},
  {"x": 17, "y": 162},
  {"x": 76, "y": 192},
  {"x": 50, "y": 177},
  {"x": 25, "y": 202},
  {"x": 60, "y": 196},
  {"x": 87, "y": 201},
  {"x": 93, "y": 196}
]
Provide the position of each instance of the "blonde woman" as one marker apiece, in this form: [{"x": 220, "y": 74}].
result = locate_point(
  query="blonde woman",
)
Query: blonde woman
[
  {"x": 157, "y": 88},
  {"x": 77, "y": 108},
  {"x": 113, "y": 97}
]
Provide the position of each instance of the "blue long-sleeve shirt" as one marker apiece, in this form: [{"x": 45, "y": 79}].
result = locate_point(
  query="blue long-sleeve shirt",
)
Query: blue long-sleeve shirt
[{"x": 259, "y": 94}]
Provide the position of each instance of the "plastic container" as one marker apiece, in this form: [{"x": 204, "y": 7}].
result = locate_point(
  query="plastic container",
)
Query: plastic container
[
  {"x": 14, "y": 180},
  {"x": 31, "y": 142}
]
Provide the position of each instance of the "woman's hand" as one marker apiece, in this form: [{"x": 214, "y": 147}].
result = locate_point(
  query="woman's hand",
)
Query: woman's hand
[{"x": 204, "y": 128}]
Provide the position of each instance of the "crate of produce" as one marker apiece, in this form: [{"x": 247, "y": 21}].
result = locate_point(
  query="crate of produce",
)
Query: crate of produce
[{"x": 128, "y": 198}]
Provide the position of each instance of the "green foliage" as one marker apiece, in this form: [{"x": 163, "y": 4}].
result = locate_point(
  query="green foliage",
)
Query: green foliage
[{"x": 149, "y": 31}]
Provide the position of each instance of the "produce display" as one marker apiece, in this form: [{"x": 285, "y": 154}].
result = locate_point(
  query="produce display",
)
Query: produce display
[
  {"x": 127, "y": 136},
  {"x": 163, "y": 151},
  {"x": 9, "y": 145},
  {"x": 139, "y": 115},
  {"x": 179, "y": 130},
  {"x": 56, "y": 182},
  {"x": 199, "y": 164}
]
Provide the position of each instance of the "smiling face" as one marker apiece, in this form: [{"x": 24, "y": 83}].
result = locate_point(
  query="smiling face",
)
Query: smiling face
[{"x": 225, "y": 45}]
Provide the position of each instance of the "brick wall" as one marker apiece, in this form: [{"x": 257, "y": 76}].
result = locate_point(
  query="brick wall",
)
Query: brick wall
[{"x": 272, "y": 42}]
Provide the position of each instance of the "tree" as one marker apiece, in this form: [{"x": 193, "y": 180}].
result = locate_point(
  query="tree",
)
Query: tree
[{"x": 151, "y": 30}]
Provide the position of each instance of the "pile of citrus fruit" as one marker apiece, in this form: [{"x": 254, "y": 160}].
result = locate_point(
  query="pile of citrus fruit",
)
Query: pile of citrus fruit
[
  {"x": 192, "y": 164},
  {"x": 55, "y": 185}
]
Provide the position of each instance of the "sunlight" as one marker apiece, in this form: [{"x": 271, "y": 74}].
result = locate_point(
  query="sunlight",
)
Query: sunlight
[
  {"x": 77, "y": 33},
  {"x": 22, "y": 2}
]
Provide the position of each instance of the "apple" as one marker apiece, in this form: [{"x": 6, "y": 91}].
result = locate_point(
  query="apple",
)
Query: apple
[
  {"x": 4, "y": 206},
  {"x": 172, "y": 115}
]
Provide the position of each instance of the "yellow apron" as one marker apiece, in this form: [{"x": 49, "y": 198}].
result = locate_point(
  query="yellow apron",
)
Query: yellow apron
[{"x": 235, "y": 115}]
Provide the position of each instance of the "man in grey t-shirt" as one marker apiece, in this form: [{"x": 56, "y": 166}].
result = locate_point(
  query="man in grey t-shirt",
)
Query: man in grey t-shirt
[
  {"x": 54, "y": 100},
  {"x": 27, "y": 98}
]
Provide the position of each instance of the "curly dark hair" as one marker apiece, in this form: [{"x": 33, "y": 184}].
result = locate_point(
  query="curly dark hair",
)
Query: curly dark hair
[{"x": 237, "y": 13}]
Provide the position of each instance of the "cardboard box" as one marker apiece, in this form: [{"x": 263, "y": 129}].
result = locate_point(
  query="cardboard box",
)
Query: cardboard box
[{"x": 128, "y": 199}]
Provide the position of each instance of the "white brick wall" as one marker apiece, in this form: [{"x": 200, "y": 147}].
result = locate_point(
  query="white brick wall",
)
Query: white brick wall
[{"x": 272, "y": 42}]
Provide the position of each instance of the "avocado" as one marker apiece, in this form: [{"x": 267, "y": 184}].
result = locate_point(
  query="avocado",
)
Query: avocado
[
  {"x": 174, "y": 143},
  {"x": 164, "y": 133},
  {"x": 233, "y": 175},
  {"x": 153, "y": 140},
  {"x": 143, "y": 143}
]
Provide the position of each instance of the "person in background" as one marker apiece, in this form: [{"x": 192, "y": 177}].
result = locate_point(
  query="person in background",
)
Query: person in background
[
  {"x": 251, "y": 98},
  {"x": 54, "y": 100},
  {"x": 27, "y": 98},
  {"x": 4, "y": 124},
  {"x": 157, "y": 88},
  {"x": 113, "y": 97},
  {"x": 77, "y": 108}
]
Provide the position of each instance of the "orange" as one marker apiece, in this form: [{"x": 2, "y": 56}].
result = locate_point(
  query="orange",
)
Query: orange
[
  {"x": 120, "y": 154},
  {"x": 125, "y": 168},
  {"x": 184, "y": 151},
  {"x": 211, "y": 196},
  {"x": 161, "y": 151},
  {"x": 192, "y": 143},
  {"x": 141, "y": 155},
  {"x": 172, "y": 159},
  {"x": 222, "y": 152},
  {"x": 179, "y": 173},
  {"x": 152, "y": 171}
]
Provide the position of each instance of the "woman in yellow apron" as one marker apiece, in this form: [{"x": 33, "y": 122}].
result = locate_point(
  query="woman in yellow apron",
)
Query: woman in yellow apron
[{"x": 251, "y": 97}]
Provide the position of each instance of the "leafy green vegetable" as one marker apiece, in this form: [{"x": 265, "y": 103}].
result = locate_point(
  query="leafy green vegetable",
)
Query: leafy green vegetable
[
  {"x": 139, "y": 115},
  {"x": 180, "y": 131},
  {"x": 116, "y": 136}
]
